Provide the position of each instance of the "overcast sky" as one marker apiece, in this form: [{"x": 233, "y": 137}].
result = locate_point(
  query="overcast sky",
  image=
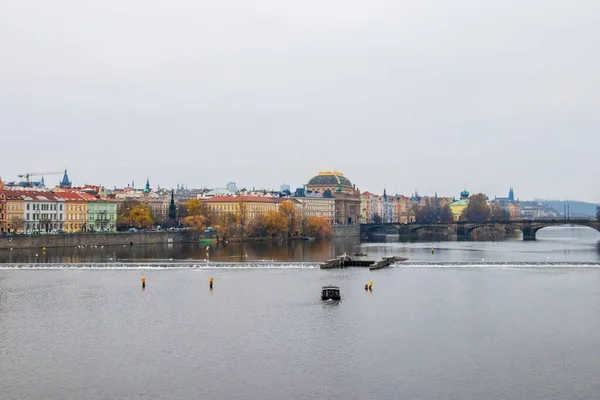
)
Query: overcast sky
[{"x": 425, "y": 94}]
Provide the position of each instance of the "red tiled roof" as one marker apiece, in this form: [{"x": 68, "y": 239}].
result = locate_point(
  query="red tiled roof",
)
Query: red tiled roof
[{"x": 70, "y": 196}]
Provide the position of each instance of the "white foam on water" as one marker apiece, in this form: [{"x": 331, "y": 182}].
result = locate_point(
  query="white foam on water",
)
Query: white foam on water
[
  {"x": 155, "y": 266},
  {"x": 501, "y": 265}
]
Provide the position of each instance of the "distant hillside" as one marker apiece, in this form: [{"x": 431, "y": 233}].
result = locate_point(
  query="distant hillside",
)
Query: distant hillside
[{"x": 576, "y": 208}]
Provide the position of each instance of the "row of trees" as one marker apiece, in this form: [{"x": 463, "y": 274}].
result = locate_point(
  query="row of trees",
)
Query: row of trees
[
  {"x": 478, "y": 210},
  {"x": 283, "y": 222}
]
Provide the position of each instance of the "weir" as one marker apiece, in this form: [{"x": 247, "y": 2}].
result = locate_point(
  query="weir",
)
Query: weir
[{"x": 347, "y": 261}]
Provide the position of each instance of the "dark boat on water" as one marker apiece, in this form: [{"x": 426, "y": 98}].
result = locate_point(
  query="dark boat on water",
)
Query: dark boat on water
[{"x": 330, "y": 293}]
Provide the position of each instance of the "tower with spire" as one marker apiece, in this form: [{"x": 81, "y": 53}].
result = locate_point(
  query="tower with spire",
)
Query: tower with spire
[
  {"x": 65, "y": 183},
  {"x": 172, "y": 209},
  {"x": 511, "y": 195},
  {"x": 147, "y": 189}
]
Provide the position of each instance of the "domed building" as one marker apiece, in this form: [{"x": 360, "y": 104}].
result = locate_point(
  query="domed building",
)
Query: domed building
[
  {"x": 334, "y": 181},
  {"x": 458, "y": 206},
  {"x": 347, "y": 197}
]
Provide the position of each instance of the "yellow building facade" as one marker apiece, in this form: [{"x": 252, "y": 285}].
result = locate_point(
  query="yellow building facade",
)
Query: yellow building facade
[
  {"x": 459, "y": 206},
  {"x": 15, "y": 212},
  {"x": 255, "y": 206},
  {"x": 76, "y": 212}
]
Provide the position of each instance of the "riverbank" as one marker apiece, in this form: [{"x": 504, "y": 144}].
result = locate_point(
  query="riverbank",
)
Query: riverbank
[
  {"x": 132, "y": 238},
  {"x": 96, "y": 239}
]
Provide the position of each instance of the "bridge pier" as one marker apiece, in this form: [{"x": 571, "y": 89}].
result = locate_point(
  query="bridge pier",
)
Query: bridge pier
[
  {"x": 529, "y": 234},
  {"x": 462, "y": 233}
]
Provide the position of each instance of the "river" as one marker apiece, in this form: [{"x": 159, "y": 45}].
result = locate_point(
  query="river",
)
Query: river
[{"x": 473, "y": 320}]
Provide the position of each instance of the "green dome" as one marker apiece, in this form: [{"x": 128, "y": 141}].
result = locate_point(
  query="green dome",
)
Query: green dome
[
  {"x": 464, "y": 194},
  {"x": 329, "y": 180}
]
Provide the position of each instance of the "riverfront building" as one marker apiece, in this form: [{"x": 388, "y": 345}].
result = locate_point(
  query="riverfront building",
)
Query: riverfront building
[
  {"x": 315, "y": 204},
  {"x": 44, "y": 212},
  {"x": 76, "y": 210},
  {"x": 347, "y": 197},
  {"x": 15, "y": 206},
  {"x": 255, "y": 205},
  {"x": 459, "y": 206},
  {"x": 102, "y": 215}
]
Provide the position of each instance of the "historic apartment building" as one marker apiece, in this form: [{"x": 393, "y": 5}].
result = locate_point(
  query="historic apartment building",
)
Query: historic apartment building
[
  {"x": 315, "y": 204},
  {"x": 255, "y": 205}
]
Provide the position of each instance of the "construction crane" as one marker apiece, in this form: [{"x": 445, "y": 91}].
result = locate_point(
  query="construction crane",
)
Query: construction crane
[{"x": 30, "y": 174}]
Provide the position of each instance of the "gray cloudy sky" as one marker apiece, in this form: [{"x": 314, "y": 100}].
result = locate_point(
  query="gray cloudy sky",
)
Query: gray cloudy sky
[{"x": 425, "y": 94}]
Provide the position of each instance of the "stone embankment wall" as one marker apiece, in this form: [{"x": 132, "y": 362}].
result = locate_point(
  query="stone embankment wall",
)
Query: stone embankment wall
[
  {"x": 97, "y": 239},
  {"x": 346, "y": 230},
  {"x": 124, "y": 238}
]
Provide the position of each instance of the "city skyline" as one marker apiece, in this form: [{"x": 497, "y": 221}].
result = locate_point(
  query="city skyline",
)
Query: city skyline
[
  {"x": 140, "y": 184},
  {"x": 406, "y": 95}
]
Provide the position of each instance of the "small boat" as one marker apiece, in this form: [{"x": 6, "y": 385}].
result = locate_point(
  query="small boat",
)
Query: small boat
[
  {"x": 330, "y": 293},
  {"x": 361, "y": 254}
]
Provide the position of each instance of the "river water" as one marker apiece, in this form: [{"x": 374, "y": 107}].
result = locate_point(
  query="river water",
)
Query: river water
[{"x": 473, "y": 320}]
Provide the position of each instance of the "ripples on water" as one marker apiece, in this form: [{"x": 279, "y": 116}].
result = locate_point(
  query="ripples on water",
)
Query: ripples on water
[
  {"x": 296, "y": 265},
  {"x": 475, "y": 321}
]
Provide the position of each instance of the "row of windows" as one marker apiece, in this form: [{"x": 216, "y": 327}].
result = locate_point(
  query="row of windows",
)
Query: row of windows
[
  {"x": 42, "y": 217},
  {"x": 45, "y": 207},
  {"x": 76, "y": 216}
]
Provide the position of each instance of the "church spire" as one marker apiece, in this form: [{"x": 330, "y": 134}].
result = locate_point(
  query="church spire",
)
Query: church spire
[
  {"x": 172, "y": 209},
  {"x": 65, "y": 183},
  {"x": 147, "y": 188}
]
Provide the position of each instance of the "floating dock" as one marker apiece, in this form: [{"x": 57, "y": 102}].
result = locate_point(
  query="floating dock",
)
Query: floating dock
[{"x": 347, "y": 261}]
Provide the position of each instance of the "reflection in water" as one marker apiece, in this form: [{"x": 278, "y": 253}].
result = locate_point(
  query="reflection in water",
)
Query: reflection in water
[
  {"x": 553, "y": 244},
  {"x": 221, "y": 252}
]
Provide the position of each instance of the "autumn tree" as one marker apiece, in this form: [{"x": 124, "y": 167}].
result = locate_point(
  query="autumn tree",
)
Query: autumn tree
[
  {"x": 478, "y": 209},
  {"x": 124, "y": 213},
  {"x": 225, "y": 224},
  {"x": 427, "y": 214},
  {"x": 499, "y": 213},
  {"x": 242, "y": 215},
  {"x": 141, "y": 216},
  {"x": 258, "y": 227},
  {"x": 446, "y": 214},
  {"x": 318, "y": 227},
  {"x": 193, "y": 207},
  {"x": 289, "y": 211},
  {"x": 276, "y": 223},
  {"x": 196, "y": 222},
  {"x": 16, "y": 223}
]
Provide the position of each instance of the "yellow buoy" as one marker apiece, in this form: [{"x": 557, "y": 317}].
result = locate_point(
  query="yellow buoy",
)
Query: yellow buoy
[
  {"x": 210, "y": 284},
  {"x": 143, "y": 282}
]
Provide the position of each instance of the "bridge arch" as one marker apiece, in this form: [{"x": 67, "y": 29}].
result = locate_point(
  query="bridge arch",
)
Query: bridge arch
[
  {"x": 369, "y": 231},
  {"x": 535, "y": 229}
]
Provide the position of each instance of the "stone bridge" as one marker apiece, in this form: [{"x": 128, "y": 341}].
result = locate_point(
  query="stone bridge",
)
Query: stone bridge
[{"x": 463, "y": 229}]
